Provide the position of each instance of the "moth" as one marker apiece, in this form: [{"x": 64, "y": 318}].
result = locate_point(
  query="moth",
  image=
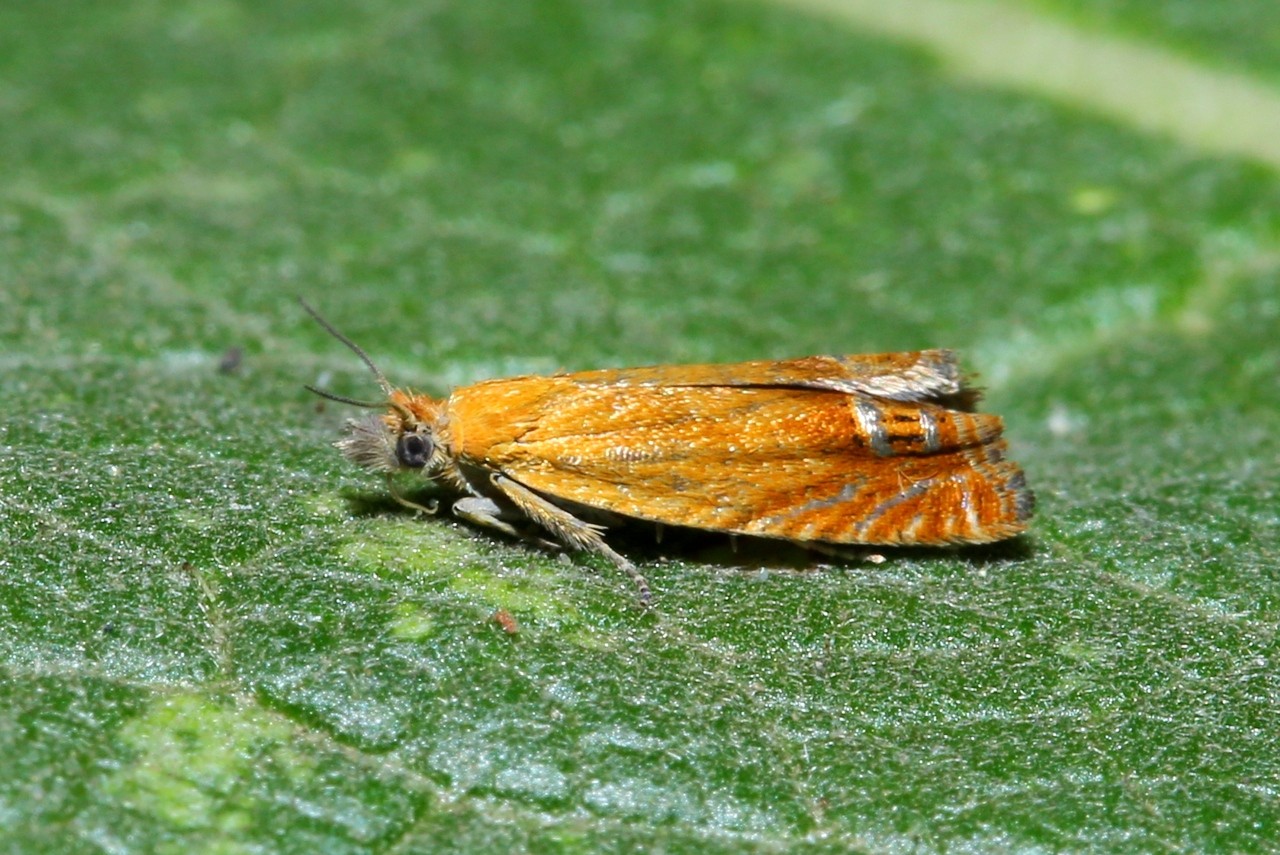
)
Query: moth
[{"x": 881, "y": 449}]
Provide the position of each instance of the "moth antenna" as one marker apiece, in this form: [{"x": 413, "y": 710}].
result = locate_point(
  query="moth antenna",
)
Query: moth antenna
[
  {"x": 404, "y": 412},
  {"x": 343, "y": 399},
  {"x": 354, "y": 348}
]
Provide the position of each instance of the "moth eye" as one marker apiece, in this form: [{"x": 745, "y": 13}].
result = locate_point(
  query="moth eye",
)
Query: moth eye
[{"x": 413, "y": 450}]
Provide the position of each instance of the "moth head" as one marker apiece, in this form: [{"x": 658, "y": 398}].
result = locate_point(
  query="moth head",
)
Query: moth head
[{"x": 405, "y": 437}]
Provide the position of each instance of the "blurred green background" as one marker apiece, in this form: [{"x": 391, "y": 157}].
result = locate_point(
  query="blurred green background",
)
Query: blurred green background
[{"x": 216, "y": 636}]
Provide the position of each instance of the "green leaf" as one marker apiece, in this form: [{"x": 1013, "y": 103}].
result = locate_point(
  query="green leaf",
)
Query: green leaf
[{"x": 217, "y": 636}]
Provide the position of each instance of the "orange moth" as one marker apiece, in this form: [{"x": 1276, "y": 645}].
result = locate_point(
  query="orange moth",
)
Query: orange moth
[{"x": 881, "y": 449}]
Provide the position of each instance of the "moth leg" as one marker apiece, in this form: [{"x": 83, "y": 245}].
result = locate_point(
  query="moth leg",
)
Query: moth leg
[
  {"x": 431, "y": 508},
  {"x": 569, "y": 529},
  {"x": 843, "y": 552},
  {"x": 486, "y": 513}
]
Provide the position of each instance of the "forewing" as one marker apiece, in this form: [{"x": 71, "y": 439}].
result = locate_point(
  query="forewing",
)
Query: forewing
[
  {"x": 918, "y": 375},
  {"x": 795, "y": 463}
]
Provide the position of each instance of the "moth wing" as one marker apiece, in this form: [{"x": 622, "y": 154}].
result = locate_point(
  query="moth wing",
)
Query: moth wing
[
  {"x": 806, "y": 465},
  {"x": 918, "y": 375}
]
